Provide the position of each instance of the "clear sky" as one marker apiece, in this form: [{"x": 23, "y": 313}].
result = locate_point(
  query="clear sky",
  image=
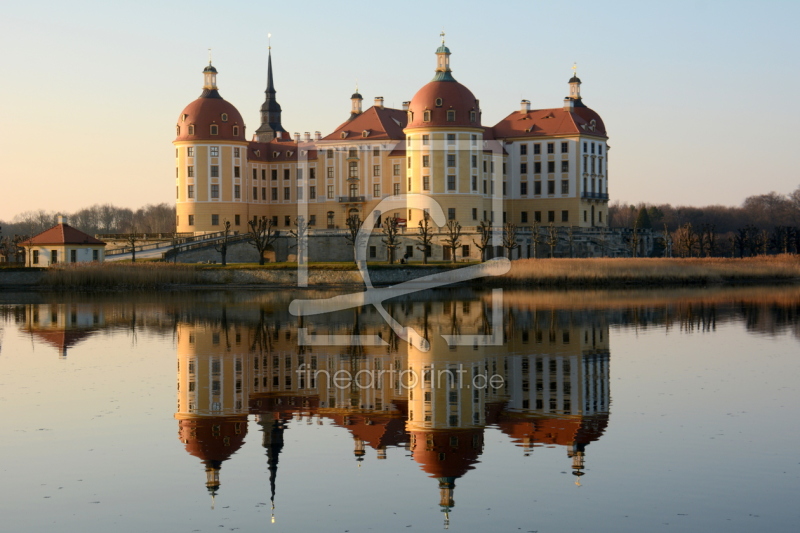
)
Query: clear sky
[{"x": 697, "y": 96}]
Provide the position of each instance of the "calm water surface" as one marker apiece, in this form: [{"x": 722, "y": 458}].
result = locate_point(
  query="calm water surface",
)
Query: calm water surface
[{"x": 513, "y": 411}]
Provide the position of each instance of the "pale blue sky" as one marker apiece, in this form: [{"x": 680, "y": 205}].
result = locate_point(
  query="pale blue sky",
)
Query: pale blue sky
[{"x": 698, "y": 97}]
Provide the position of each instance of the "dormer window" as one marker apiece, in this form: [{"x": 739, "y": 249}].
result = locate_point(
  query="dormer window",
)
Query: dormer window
[
  {"x": 275, "y": 154},
  {"x": 191, "y": 129},
  {"x": 257, "y": 152},
  {"x": 344, "y": 134},
  {"x": 184, "y": 117},
  {"x": 236, "y": 131},
  {"x": 365, "y": 133},
  {"x": 224, "y": 117},
  {"x": 410, "y": 116},
  {"x": 426, "y": 116},
  {"x": 214, "y": 129},
  {"x": 179, "y": 131},
  {"x": 472, "y": 116},
  {"x": 451, "y": 115},
  {"x": 289, "y": 153},
  {"x": 438, "y": 102}
]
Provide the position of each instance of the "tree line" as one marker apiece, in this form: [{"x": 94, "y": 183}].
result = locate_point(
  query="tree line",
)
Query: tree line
[{"x": 763, "y": 224}]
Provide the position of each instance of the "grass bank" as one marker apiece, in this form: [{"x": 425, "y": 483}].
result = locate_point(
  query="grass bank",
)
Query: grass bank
[
  {"x": 543, "y": 273},
  {"x": 603, "y": 272}
]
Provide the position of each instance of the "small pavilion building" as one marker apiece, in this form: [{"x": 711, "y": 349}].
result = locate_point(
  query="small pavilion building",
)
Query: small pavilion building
[{"x": 62, "y": 244}]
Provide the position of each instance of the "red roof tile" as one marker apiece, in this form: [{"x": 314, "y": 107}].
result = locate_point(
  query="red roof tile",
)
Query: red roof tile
[
  {"x": 382, "y": 123},
  {"x": 546, "y": 122},
  {"x": 62, "y": 234}
]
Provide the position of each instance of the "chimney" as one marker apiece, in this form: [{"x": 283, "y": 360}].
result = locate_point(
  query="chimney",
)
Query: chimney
[
  {"x": 317, "y": 136},
  {"x": 379, "y": 102},
  {"x": 61, "y": 219},
  {"x": 297, "y": 137},
  {"x": 307, "y": 136},
  {"x": 525, "y": 106},
  {"x": 569, "y": 104},
  {"x": 405, "y": 105}
]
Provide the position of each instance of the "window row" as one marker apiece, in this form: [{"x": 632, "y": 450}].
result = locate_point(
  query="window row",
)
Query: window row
[{"x": 537, "y": 148}]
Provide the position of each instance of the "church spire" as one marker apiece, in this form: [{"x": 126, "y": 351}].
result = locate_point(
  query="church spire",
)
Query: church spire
[{"x": 270, "y": 110}]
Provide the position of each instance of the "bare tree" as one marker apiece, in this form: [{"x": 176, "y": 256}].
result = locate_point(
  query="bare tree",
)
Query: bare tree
[
  {"x": 300, "y": 234},
  {"x": 634, "y": 240},
  {"x": 485, "y": 235},
  {"x": 353, "y": 227},
  {"x": 425, "y": 236},
  {"x": 223, "y": 244},
  {"x": 552, "y": 239},
  {"x": 510, "y": 238},
  {"x": 686, "y": 240},
  {"x": 571, "y": 240},
  {"x": 667, "y": 242},
  {"x": 262, "y": 235},
  {"x": 453, "y": 239},
  {"x": 390, "y": 230},
  {"x": 131, "y": 239},
  {"x": 536, "y": 238}
]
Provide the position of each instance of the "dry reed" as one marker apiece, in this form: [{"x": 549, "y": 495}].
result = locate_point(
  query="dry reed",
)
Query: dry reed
[{"x": 104, "y": 276}]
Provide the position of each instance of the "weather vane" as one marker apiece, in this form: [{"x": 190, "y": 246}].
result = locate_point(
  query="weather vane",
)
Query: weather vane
[
  {"x": 442, "y": 35},
  {"x": 575, "y": 69},
  {"x": 269, "y": 41},
  {"x": 209, "y": 56}
]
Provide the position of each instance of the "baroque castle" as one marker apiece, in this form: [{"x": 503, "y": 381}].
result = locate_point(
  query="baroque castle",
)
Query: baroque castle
[{"x": 535, "y": 166}]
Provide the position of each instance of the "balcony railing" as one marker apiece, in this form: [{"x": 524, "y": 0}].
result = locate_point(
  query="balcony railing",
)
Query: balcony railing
[
  {"x": 595, "y": 195},
  {"x": 352, "y": 199}
]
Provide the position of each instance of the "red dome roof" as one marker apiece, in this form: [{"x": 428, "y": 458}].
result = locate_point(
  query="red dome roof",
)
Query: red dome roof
[
  {"x": 210, "y": 109},
  {"x": 453, "y": 96},
  {"x": 213, "y": 438}
]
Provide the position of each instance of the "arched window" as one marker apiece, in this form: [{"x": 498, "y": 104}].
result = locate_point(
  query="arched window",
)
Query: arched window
[
  {"x": 426, "y": 116},
  {"x": 179, "y": 131},
  {"x": 451, "y": 115},
  {"x": 191, "y": 129},
  {"x": 236, "y": 131},
  {"x": 214, "y": 129}
]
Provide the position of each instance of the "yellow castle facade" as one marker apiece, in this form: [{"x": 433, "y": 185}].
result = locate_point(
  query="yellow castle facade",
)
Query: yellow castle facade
[{"x": 535, "y": 166}]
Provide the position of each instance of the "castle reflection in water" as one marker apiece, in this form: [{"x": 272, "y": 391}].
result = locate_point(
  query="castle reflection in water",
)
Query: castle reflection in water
[{"x": 546, "y": 384}]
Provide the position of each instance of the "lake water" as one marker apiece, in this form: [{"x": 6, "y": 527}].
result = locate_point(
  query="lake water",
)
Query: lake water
[{"x": 508, "y": 411}]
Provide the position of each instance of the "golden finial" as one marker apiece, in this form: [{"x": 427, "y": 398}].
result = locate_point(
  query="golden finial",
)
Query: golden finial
[
  {"x": 575, "y": 69},
  {"x": 269, "y": 41},
  {"x": 209, "y": 56},
  {"x": 442, "y": 35}
]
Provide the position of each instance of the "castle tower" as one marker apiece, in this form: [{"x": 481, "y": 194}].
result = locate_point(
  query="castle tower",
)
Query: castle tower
[{"x": 271, "y": 127}]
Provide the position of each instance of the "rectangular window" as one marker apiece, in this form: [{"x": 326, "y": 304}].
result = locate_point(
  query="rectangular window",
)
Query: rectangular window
[
  {"x": 353, "y": 169},
  {"x": 190, "y": 151},
  {"x": 190, "y": 171},
  {"x": 274, "y": 220},
  {"x": 474, "y": 213},
  {"x": 409, "y": 162},
  {"x": 451, "y": 138},
  {"x": 426, "y": 140},
  {"x": 523, "y": 217},
  {"x": 474, "y": 161},
  {"x": 287, "y": 193},
  {"x": 474, "y": 183},
  {"x": 214, "y": 171},
  {"x": 395, "y": 169},
  {"x": 564, "y": 147},
  {"x": 312, "y": 220},
  {"x": 274, "y": 194},
  {"x": 191, "y": 220},
  {"x": 190, "y": 191},
  {"x": 95, "y": 255},
  {"x": 564, "y": 216},
  {"x": 523, "y": 149},
  {"x": 592, "y": 147},
  {"x": 426, "y": 183},
  {"x": 274, "y": 174},
  {"x": 53, "y": 257},
  {"x": 565, "y": 166},
  {"x": 312, "y": 173},
  {"x": 551, "y": 216},
  {"x": 215, "y": 220},
  {"x": 600, "y": 166},
  {"x": 215, "y": 151},
  {"x": 330, "y": 172},
  {"x": 504, "y": 188},
  {"x": 263, "y": 193},
  {"x": 600, "y": 149},
  {"x": 287, "y": 173},
  {"x": 287, "y": 220},
  {"x": 329, "y": 154},
  {"x": 255, "y": 174},
  {"x": 237, "y": 192},
  {"x": 35, "y": 258},
  {"x": 551, "y": 167},
  {"x": 465, "y": 250},
  {"x": 236, "y": 172},
  {"x": 376, "y": 170},
  {"x": 451, "y": 160},
  {"x": 235, "y": 152},
  {"x": 299, "y": 193},
  {"x": 214, "y": 191},
  {"x": 376, "y": 190},
  {"x": 255, "y": 193},
  {"x": 396, "y": 189},
  {"x": 484, "y": 187},
  {"x": 564, "y": 186},
  {"x": 299, "y": 173},
  {"x": 451, "y": 213},
  {"x": 551, "y": 148},
  {"x": 537, "y": 216},
  {"x": 551, "y": 187},
  {"x": 312, "y": 193},
  {"x": 426, "y": 161},
  {"x": 237, "y": 220},
  {"x": 330, "y": 192},
  {"x": 73, "y": 256},
  {"x": 451, "y": 115},
  {"x": 537, "y": 187},
  {"x": 537, "y": 149},
  {"x": 451, "y": 183},
  {"x": 537, "y": 167},
  {"x": 373, "y": 252},
  {"x": 376, "y": 151},
  {"x": 263, "y": 174},
  {"x": 523, "y": 188},
  {"x": 523, "y": 168}
]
